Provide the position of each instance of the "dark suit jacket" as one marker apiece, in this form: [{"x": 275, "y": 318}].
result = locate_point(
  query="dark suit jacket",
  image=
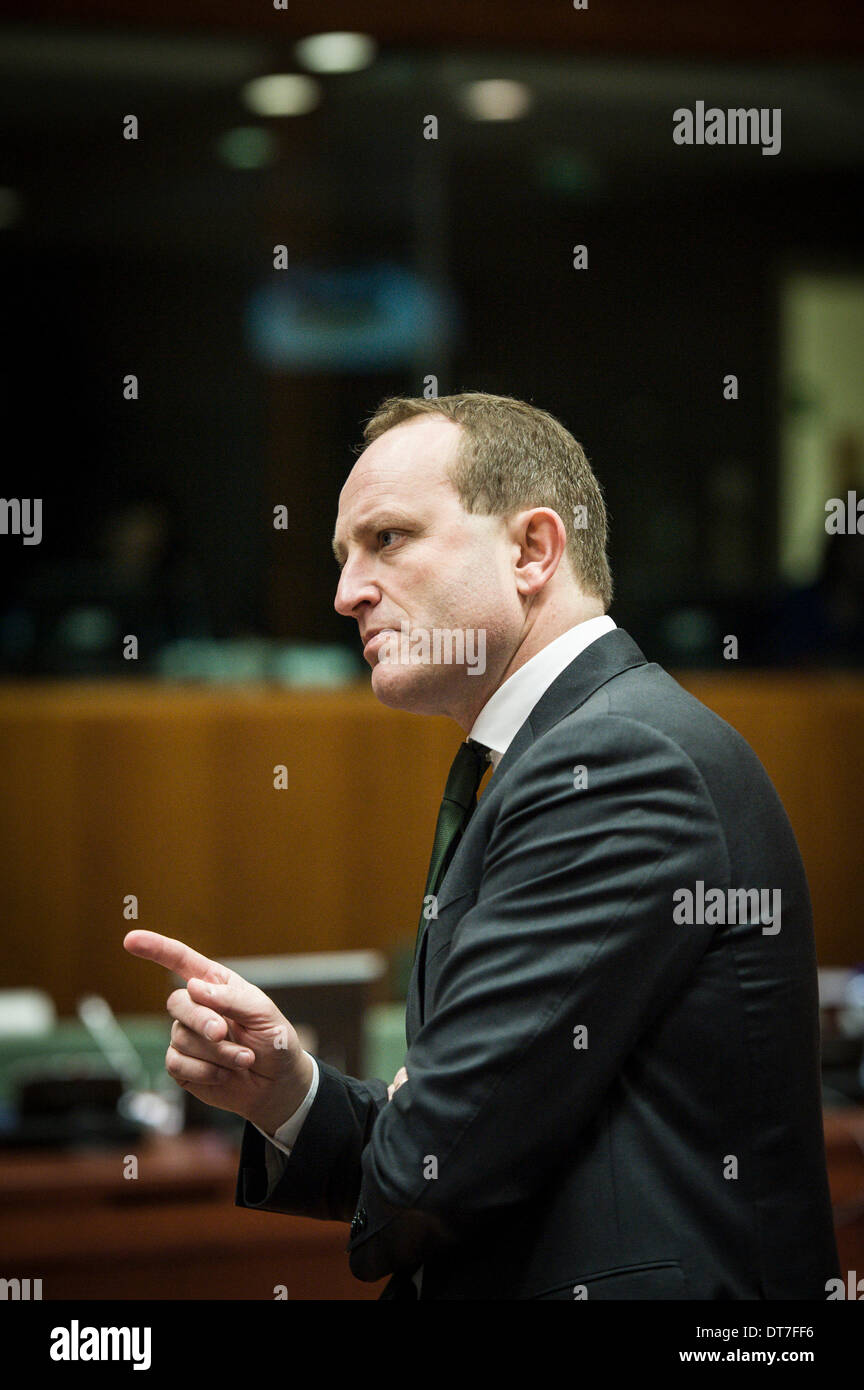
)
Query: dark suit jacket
[{"x": 674, "y": 1149}]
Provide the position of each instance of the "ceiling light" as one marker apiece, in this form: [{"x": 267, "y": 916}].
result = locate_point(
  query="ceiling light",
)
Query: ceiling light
[
  {"x": 338, "y": 52},
  {"x": 497, "y": 99},
  {"x": 282, "y": 94}
]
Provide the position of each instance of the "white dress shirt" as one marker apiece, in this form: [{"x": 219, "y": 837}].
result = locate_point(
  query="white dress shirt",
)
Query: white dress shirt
[{"x": 496, "y": 726}]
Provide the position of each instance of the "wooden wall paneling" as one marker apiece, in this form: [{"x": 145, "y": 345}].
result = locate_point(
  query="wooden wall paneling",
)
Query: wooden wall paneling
[
  {"x": 168, "y": 793},
  {"x": 41, "y": 852},
  {"x": 809, "y": 734}
]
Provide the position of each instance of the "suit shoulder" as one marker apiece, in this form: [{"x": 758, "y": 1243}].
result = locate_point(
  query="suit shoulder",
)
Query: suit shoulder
[{"x": 648, "y": 697}]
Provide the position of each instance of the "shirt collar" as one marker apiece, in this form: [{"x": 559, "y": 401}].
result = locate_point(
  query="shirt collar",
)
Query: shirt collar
[{"x": 509, "y": 706}]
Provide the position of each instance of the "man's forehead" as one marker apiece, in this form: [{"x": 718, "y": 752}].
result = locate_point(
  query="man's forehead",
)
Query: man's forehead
[
  {"x": 402, "y": 476},
  {"x": 411, "y": 456}
]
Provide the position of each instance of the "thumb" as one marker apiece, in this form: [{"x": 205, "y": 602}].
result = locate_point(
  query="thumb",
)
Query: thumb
[{"x": 398, "y": 1080}]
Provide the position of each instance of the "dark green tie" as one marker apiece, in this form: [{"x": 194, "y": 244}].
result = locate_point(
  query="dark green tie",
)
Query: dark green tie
[{"x": 457, "y": 805}]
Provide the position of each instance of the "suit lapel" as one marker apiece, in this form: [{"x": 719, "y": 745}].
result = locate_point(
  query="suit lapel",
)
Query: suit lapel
[{"x": 608, "y": 656}]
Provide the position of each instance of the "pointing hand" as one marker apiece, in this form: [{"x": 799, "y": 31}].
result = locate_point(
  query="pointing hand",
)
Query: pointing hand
[{"x": 230, "y": 1045}]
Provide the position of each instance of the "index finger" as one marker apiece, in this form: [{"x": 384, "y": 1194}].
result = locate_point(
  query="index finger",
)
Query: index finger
[{"x": 176, "y": 956}]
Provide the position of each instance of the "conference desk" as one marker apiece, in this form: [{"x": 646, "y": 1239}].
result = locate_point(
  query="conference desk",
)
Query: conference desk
[
  {"x": 87, "y": 1231},
  {"x": 75, "y": 1222}
]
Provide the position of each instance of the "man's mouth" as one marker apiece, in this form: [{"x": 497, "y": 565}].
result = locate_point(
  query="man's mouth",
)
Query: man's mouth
[{"x": 375, "y": 638}]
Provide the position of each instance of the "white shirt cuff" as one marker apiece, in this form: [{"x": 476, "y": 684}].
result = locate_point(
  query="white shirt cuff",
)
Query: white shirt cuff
[{"x": 286, "y": 1135}]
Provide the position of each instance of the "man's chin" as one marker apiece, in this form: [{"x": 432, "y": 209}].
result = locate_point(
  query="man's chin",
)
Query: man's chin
[{"x": 416, "y": 688}]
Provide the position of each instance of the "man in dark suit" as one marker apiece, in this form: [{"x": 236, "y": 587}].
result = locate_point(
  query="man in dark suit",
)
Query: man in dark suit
[{"x": 613, "y": 1083}]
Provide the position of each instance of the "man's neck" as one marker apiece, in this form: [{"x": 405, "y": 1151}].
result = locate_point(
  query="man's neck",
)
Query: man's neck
[{"x": 538, "y": 637}]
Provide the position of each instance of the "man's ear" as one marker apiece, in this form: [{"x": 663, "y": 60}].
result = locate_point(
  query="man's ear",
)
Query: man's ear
[{"x": 541, "y": 539}]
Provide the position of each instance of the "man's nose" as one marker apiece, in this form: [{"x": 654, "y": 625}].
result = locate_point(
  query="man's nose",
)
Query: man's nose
[{"x": 354, "y": 588}]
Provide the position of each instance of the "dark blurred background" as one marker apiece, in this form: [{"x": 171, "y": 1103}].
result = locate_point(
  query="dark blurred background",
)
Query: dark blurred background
[{"x": 409, "y": 258}]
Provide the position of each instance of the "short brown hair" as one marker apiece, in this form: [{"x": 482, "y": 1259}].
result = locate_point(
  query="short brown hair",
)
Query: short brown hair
[{"x": 513, "y": 456}]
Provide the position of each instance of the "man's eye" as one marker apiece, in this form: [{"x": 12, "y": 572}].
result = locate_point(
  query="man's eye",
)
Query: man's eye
[{"x": 386, "y": 533}]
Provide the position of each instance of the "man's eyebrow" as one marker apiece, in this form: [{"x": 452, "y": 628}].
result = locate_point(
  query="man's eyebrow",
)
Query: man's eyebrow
[{"x": 383, "y": 520}]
